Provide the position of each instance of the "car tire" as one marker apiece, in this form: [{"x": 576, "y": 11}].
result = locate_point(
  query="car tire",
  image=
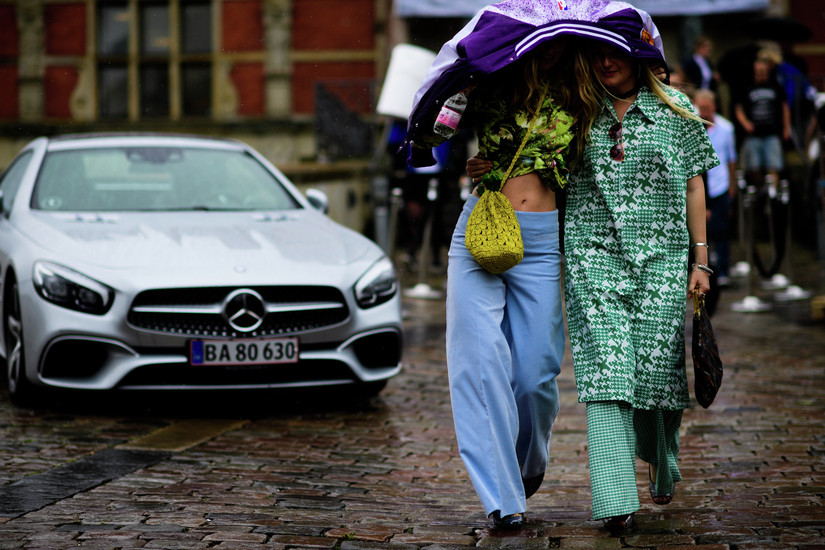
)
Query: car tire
[{"x": 20, "y": 389}]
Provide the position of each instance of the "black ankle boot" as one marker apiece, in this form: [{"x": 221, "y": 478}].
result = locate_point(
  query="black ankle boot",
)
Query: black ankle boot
[
  {"x": 618, "y": 524},
  {"x": 512, "y": 522}
]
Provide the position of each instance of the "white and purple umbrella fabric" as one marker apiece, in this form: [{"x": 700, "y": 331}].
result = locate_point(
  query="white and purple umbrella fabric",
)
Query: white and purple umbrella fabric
[{"x": 502, "y": 33}]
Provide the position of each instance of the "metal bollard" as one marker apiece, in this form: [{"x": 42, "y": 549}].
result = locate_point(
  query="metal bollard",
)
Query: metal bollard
[
  {"x": 381, "y": 211},
  {"x": 785, "y": 199},
  {"x": 792, "y": 292},
  {"x": 778, "y": 280},
  {"x": 426, "y": 240},
  {"x": 422, "y": 289},
  {"x": 750, "y": 303},
  {"x": 743, "y": 267},
  {"x": 396, "y": 203}
]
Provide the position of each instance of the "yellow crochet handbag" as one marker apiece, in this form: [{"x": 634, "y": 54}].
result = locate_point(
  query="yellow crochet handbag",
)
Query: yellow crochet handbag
[{"x": 493, "y": 234}]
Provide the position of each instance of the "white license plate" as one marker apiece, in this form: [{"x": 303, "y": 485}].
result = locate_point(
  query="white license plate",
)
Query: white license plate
[{"x": 251, "y": 351}]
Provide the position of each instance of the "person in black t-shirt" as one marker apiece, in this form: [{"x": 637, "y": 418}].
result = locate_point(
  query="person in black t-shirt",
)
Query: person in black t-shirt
[{"x": 763, "y": 112}]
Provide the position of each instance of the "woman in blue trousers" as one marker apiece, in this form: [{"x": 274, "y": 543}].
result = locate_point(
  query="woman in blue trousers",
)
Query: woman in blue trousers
[
  {"x": 505, "y": 332},
  {"x": 505, "y": 341}
]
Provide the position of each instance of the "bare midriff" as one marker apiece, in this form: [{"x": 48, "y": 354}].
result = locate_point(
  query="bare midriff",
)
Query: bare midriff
[{"x": 528, "y": 194}]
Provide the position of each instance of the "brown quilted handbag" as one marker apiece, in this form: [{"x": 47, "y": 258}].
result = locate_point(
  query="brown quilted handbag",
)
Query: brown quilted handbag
[{"x": 707, "y": 365}]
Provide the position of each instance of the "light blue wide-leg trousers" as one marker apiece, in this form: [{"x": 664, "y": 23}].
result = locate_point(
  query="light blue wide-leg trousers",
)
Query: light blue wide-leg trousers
[{"x": 505, "y": 341}]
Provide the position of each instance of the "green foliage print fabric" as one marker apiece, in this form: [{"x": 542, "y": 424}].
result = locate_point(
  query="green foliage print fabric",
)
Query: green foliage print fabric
[
  {"x": 500, "y": 133},
  {"x": 626, "y": 249}
]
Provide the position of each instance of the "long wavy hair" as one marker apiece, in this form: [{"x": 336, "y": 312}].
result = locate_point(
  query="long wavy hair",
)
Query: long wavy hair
[{"x": 572, "y": 86}]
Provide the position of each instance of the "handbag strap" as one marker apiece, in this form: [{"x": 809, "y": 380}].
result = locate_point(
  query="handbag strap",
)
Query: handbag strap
[
  {"x": 698, "y": 303},
  {"x": 530, "y": 128}
]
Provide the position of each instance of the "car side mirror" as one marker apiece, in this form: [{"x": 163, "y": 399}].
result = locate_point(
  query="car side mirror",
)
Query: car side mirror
[{"x": 318, "y": 200}]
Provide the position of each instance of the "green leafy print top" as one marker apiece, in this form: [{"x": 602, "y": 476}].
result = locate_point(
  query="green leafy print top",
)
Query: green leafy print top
[{"x": 500, "y": 132}]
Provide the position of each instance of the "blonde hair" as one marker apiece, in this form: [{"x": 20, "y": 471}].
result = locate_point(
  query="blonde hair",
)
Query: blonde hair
[
  {"x": 534, "y": 83},
  {"x": 572, "y": 88},
  {"x": 589, "y": 95},
  {"x": 769, "y": 55},
  {"x": 664, "y": 92}
]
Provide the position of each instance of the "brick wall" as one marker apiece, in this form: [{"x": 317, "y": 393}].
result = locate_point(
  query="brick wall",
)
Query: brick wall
[
  {"x": 65, "y": 32},
  {"x": 333, "y": 25},
  {"x": 9, "y": 50},
  {"x": 332, "y": 40},
  {"x": 64, "y": 36},
  {"x": 248, "y": 80},
  {"x": 242, "y": 31}
]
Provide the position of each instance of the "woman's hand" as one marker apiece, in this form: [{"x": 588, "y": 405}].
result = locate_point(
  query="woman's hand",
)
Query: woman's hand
[
  {"x": 477, "y": 167},
  {"x": 699, "y": 281}
]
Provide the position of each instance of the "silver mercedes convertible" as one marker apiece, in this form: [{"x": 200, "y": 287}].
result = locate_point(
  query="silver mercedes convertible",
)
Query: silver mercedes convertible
[{"x": 163, "y": 262}]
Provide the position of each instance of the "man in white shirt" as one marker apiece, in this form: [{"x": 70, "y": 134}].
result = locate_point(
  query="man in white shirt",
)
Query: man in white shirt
[{"x": 720, "y": 180}]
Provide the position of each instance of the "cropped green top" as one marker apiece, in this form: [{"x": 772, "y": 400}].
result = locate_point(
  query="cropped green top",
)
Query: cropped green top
[{"x": 500, "y": 133}]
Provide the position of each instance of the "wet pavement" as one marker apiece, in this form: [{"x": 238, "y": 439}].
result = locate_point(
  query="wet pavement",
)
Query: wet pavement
[{"x": 325, "y": 470}]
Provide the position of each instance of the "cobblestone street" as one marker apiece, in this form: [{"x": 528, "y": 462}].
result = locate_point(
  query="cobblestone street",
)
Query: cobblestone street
[{"x": 327, "y": 471}]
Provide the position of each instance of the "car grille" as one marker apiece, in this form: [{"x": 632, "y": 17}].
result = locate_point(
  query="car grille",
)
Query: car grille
[
  {"x": 310, "y": 373},
  {"x": 202, "y": 311}
]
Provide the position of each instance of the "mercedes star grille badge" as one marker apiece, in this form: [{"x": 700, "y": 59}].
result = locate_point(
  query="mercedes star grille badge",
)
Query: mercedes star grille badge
[{"x": 244, "y": 310}]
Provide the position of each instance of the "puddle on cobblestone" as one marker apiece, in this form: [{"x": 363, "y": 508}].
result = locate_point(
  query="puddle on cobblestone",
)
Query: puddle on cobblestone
[
  {"x": 183, "y": 434},
  {"x": 35, "y": 492}
]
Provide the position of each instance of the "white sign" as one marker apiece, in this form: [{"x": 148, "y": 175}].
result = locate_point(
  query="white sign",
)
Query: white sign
[{"x": 408, "y": 67}]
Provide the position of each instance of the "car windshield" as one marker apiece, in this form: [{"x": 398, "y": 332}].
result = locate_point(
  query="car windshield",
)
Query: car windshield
[{"x": 157, "y": 179}]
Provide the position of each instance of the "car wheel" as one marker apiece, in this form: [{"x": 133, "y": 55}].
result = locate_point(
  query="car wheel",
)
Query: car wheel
[{"x": 20, "y": 389}]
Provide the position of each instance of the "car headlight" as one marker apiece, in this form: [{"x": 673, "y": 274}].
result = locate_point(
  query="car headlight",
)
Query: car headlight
[
  {"x": 70, "y": 289},
  {"x": 377, "y": 285}
]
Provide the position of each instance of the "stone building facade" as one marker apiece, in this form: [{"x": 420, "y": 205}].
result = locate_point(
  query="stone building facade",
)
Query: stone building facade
[{"x": 246, "y": 69}]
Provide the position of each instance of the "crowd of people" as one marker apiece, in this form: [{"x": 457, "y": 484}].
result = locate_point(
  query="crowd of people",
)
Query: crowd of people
[
  {"x": 771, "y": 112},
  {"x": 645, "y": 171}
]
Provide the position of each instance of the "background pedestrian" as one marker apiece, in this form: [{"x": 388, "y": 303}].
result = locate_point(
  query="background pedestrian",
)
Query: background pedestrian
[
  {"x": 698, "y": 67},
  {"x": 763, "y": 112},
  {"x": 721, "y": 187}
]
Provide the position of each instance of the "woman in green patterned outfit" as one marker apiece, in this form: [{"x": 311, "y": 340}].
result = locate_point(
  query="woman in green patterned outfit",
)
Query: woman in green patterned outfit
[{"x": 634, "y": 209}]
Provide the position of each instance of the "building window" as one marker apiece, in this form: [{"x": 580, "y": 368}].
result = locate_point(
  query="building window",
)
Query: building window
[
  {"x": 154, "y": 59},
  {"x": 196, "y": 17},
  {"x": 113, "y": 91}
]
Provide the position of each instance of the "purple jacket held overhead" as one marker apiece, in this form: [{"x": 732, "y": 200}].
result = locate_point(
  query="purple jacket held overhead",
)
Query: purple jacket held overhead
[{"x": 502, "y": 33}]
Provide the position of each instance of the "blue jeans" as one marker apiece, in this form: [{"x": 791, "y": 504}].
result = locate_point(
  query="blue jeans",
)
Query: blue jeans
[
  {"x": 763, "y": 153},
  {"x": 505, "y": 341}
]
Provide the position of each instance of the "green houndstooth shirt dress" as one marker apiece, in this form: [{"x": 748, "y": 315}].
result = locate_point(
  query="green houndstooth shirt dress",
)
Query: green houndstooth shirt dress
[{"x": 626, "y": 249}]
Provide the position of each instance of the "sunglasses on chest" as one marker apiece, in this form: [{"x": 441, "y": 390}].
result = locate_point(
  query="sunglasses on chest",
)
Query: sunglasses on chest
[{"x": 615, "y": 133}]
